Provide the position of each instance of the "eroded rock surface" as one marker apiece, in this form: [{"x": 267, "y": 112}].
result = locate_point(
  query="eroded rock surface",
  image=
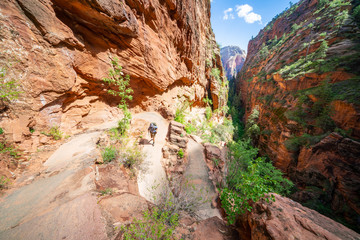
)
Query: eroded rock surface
[
  {"x": 289, "y": 61},
  {"x": 286, "y": 219},
  {"x": 60, "y": 50}
]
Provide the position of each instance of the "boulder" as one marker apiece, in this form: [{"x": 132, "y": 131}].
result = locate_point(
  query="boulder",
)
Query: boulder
[
  {"x": 214, "y": 229},
  {"x": 212, "y": 151},
  {"x": 178, "y": 141},
  {"x": 125, "y": 207},
  {"x": 285, "y": 219}
]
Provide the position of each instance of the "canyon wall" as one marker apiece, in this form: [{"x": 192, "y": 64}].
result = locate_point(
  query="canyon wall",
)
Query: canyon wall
[
  {"x": 59, "y": 51},
  {"x": 303, "y": 73},
  {"x": 232, "y": 58}
]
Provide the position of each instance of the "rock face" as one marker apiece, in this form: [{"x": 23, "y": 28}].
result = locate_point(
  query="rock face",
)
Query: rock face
[
  {"x": 286, "y": 219},
  {"x": 232, "y": 58},
  {"x": 284, "y": 75},
  {"x": 59, "y": 51}
]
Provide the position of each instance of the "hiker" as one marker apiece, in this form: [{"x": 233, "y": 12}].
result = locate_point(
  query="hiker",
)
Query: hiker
[{"x": 152, "y": 130}]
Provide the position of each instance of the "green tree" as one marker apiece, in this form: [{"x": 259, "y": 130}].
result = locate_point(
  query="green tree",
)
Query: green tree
[
  {"x": 252, "y": 129},
  {"x": 249, "y": 179},
  {"x": 8, "y": 87},
  {"x": 115, "y": 78}
]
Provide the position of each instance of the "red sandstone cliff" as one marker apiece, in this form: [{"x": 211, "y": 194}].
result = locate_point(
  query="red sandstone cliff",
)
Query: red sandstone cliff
[
  {"x": 284, "y": 74},
  {"x": 60, "y": 50}
]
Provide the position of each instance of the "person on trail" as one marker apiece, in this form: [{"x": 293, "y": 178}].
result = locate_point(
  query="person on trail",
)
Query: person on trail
[{"x": 152, "y": 130}]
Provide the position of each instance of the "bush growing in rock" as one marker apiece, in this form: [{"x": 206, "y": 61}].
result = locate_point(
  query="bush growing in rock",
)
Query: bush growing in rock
[
  {"x": 155, "y": 224},
  {"x": 109, "y": 154},
  {"x": 8, "y": 87},
  {"x": 132, "y": 157},
  {"x": 249, "y": 179},
  {"x": 188, "y": 199}
]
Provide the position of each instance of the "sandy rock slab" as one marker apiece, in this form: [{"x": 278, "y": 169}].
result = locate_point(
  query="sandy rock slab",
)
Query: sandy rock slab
[{"x": 285, "y": 219}]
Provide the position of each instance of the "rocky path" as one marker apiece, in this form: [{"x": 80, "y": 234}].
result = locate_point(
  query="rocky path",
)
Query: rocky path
[
  {"x": 62, "y": 203},
  {"x": 59, "y": 204},
  {"x": 152, "y": 173},
  {"x": 197, "y": 173}
]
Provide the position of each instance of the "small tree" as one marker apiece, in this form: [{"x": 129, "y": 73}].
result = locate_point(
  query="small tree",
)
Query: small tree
[
  {"x": 8, "y": 88},
  {"x": 252, "y": 129},
  {"x": 123, "y": 91}
]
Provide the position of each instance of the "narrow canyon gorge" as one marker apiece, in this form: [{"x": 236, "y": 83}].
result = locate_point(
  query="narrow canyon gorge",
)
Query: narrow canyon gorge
[{"x": 124, "y": 119}]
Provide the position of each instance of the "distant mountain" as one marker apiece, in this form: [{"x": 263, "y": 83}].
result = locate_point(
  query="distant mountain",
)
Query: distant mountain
[{"x": 233, "y": 59}]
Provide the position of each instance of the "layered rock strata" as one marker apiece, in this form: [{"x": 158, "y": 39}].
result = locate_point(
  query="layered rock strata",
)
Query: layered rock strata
[
  {"x": 302, "y": 71},
  {"x": 286, "y": 219},
  {"x": 59, "y": 51}
]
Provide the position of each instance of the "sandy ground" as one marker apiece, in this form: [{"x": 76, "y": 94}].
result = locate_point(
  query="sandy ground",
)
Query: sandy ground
[{"x": 152, "y": 173}]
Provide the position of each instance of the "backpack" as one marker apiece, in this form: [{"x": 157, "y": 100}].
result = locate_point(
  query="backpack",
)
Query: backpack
[{"x": 153, "y": 127}]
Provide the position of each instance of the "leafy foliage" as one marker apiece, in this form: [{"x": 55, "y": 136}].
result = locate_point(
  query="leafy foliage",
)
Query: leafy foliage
[
  {"x": 155, "y": 224},
  {"x": 252, "y": 129},
  {"x": 8, "y": 88},
  {"x": 109, "y": 154},
  {"x": 123, "y": 91},
  {"x": 180, "y": 153},
  {"x": 132, "y": 157},
  {"x": 54, "y": 132},
  {"x": 107, "y": 191},
  {"x": 249, "y": 179},
  {"x": 180, "y": 112},
  {"x": 7, "y": 148},
  {"x": 189, "y": 199},
  {"x": 4, "y": 182},
  {"x": 314, "y": 113}
]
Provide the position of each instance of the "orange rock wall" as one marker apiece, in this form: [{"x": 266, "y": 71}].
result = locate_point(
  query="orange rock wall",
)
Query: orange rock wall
[
  {"x": 262, "y": 84},
  {"x": 59, "y": 50}
]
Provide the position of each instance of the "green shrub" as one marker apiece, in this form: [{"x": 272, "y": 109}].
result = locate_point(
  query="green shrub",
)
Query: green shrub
[
  {"x": 109, "y": 154},
  {"x": 252, "y": 129},
  {"x": 107, "y": 191},
  {"x": 4, "y": 182},
  {"x": 180, "y": 153},
  {"x": 189, "y": 197},
  {"x": 189, "y": 128},
  {"x": 249, "y": 179},
  {"x": 132, "y": 157},
  {"x": 356, "y": 14},
  {"x": 7, "y": 148},
  {"x": 207, "y": 101},
  {"x": 155, "y": 224},
  {"x": 294, "y": 143},
  {"x": 180, "y": 112},
  {"x": 124, "y": 123},
  {"x": 208, "y": 113},
  {"x": 1, "y": 131},
  {"x": 8, "y": 88},
  {"x": 55, "y": 133}
]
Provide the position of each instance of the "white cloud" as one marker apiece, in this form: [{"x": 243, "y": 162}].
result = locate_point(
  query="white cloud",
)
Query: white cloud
[
  {"x": 228, "y": 14},
  {"x": 246, "y": 11}
]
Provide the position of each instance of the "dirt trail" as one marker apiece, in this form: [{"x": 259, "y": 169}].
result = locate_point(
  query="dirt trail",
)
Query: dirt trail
[
  {"x": 59, "y": 204},
  {"x": 62, "y": 203},
  {"x": 152, "y": 172},
  {"x": 197, "y": 173}
]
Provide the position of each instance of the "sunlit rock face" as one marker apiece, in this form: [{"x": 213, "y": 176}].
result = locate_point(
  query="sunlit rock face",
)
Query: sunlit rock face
[
  {"x": 232, "y": 58},
  {"x": 59, "y": 51},
  {"x": 302, "y": 70},
  {"x": 286, "y": 219}
]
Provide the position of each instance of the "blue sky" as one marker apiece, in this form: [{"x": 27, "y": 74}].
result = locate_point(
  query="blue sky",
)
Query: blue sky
[{"x": 235, "y": 21}]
